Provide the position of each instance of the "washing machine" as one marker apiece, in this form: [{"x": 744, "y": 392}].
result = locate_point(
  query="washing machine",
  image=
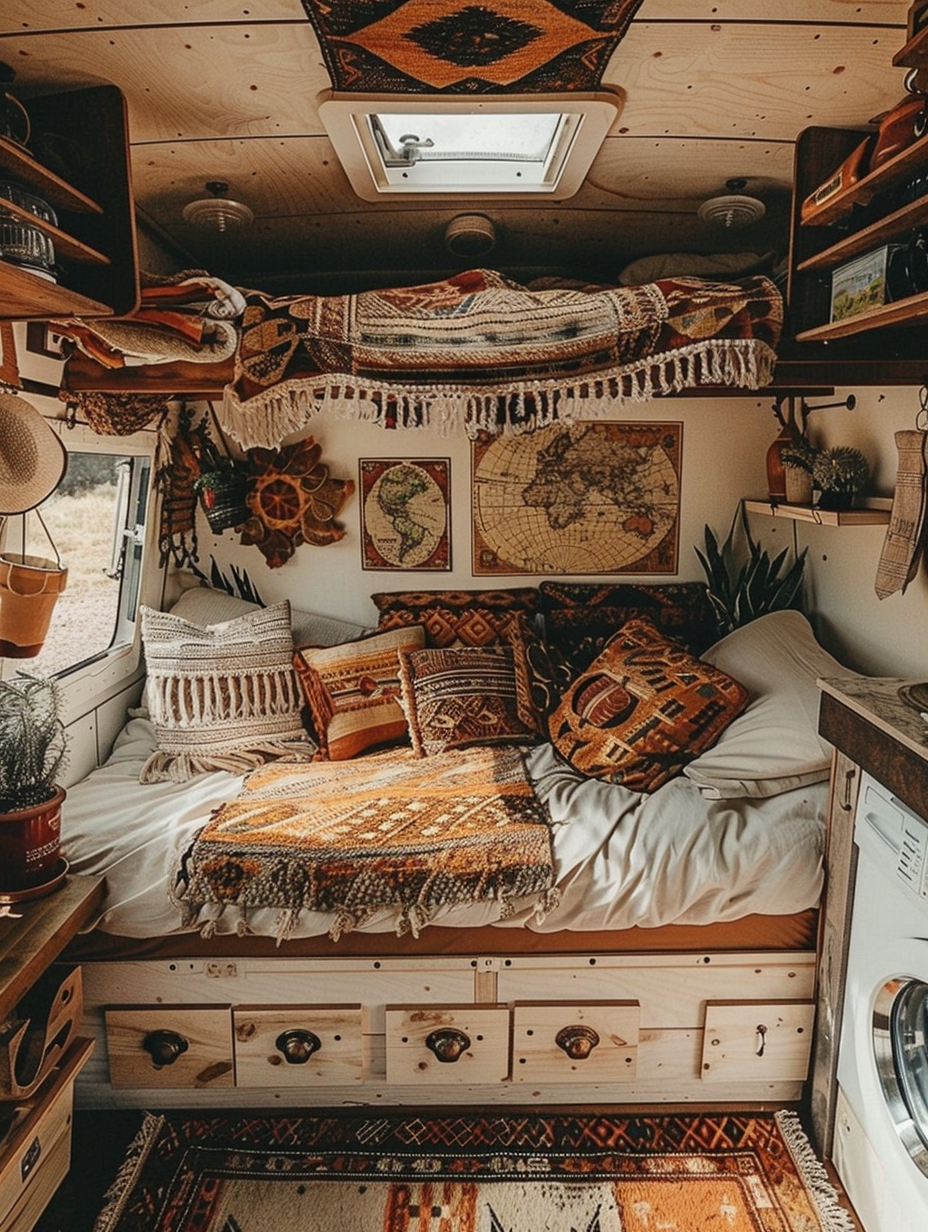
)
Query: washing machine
[{"x": 881, "y": 1126}]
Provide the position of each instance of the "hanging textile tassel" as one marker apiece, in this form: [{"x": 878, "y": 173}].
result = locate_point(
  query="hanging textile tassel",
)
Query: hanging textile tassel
[{"x": 901, "y": 548}]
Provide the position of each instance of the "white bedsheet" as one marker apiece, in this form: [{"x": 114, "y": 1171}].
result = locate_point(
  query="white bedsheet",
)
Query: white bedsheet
[{"x": 621, "y": 859}]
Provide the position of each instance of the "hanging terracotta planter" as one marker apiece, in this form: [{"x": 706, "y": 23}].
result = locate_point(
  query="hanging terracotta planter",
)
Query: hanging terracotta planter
[{"x": 29, "y": 590}]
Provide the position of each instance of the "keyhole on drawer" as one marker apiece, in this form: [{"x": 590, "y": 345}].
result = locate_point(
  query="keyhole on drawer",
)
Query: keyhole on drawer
[{"x": 761, "y": 1039}]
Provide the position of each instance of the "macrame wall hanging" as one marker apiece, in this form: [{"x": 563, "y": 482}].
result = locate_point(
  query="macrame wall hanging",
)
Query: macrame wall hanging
[{"x": 904, "y": 541}]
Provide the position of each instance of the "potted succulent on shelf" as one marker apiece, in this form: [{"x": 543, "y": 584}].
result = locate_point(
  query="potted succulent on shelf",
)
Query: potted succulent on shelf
[
  {"x": 839, "y": 473},
  {"x": 798, "y": 460},
  {"x": 33, "y": 748}
]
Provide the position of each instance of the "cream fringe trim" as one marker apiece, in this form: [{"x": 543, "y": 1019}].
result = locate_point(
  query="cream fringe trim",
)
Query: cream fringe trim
[
  {"x": 824, "y": 1196},
  {"x": 129, "y": 1171},
  {"x": 268, "y": 417}
]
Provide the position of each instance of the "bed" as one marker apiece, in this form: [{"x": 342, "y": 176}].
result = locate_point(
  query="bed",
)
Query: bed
[{"x": 666, "y": 952}]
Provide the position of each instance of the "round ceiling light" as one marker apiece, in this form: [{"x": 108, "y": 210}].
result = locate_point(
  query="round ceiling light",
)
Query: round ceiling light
[
  {"x": 218, "y": 211},
  {"x": 470, "y": 235},
  {"x": 732, "y": 211}
]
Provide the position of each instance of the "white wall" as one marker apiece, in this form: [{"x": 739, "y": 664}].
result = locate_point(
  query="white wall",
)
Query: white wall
[{"x": 724, "y": 446}]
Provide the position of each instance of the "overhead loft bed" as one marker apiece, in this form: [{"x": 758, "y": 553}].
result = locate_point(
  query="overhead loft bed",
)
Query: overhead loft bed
[
  {"x": 476, "y": 350},
  {"x": 510, "y": 355}
]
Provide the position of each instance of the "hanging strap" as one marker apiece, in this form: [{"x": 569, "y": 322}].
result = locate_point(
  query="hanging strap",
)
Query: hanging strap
[{"x": 899, "y": 558}]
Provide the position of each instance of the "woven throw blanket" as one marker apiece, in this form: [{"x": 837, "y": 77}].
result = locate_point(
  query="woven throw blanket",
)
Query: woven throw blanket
[
  {"x": 480, "y": 351},
  {"x": 387, "y": 830}
]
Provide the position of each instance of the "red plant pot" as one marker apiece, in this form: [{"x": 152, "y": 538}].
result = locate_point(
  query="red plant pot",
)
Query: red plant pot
[{"x": 30, "y": 844}]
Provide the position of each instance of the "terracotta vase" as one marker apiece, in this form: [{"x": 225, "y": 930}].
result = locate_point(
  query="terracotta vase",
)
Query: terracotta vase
[
  {"x": 30, "y": 844},
  {"x": 776, "y": 471},
  {"x": 29, "y": 590}
]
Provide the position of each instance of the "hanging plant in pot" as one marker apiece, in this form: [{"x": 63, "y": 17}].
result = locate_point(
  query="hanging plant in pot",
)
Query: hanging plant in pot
[
  {"x": 33, "y": 749},
  {"x": 840, "y": 473}
]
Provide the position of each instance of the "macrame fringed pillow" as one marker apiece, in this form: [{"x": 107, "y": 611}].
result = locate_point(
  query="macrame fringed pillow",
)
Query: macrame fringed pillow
[{"x": 221, "y": 697}]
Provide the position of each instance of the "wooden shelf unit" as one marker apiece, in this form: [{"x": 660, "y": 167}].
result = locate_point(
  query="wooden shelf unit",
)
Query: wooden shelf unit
[
  {"x": 820, "y": 517},
  {"x": 85, "y": 131}
]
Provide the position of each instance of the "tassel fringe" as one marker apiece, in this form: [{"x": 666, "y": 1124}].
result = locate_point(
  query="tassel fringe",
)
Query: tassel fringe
[
  {"x": 833, "y": 1216},
  {"x": 129, "y": 1172},
  {"x": 267, "y": 418}
]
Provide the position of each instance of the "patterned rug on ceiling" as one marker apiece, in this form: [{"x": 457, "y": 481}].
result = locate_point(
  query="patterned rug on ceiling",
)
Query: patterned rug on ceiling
[
  {"x": 492, "y": 1172},
  {"x": 449, "y": 47}
]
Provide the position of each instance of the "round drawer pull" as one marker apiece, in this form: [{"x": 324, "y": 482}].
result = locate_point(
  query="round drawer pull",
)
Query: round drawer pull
[
  {"x": 577, "y": 1041},
  {"x": 164, "y": 1047},
  {"x": 297, "y": 1045},
  {"x": 447, "y": 1044}
]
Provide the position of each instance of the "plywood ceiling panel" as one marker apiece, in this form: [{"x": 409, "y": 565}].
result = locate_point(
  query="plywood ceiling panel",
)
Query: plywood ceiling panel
[{"x": 91, "y": 14}]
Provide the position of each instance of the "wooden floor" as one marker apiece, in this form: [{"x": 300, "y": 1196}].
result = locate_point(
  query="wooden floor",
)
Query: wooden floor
[{"x": 99, "y": 1144}]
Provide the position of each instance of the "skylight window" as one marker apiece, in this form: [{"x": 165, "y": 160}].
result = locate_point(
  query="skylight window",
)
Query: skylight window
[{"x": 462, "y": 146}]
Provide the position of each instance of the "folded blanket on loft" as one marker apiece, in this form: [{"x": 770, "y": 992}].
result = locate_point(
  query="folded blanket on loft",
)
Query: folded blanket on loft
[
  {"x": 391, "y": 829},
  {"x": 480, "y": 351}
]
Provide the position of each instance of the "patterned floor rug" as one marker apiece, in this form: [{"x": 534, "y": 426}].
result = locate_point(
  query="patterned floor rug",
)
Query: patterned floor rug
[{"x": 494, "y": 1172}]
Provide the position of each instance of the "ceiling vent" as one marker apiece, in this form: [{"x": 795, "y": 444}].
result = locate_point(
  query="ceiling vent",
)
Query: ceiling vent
[
  {"x": 732, "y": 211},
  {"x": 218, "y": 212},
  {"x": 470, "y": 235}
]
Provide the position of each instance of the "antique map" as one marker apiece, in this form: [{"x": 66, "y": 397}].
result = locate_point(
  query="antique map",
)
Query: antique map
[
  {"x": 580, "y": 498},
  {"x": 404, "y": 513}
]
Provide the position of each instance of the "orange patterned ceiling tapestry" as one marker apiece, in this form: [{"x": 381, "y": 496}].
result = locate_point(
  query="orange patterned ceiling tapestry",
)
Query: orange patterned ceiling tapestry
[{"x": 446, "y": 47}]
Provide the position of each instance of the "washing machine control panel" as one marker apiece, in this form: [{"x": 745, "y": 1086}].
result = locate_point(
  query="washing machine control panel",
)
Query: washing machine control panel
[{"x": 894, "y": 834}]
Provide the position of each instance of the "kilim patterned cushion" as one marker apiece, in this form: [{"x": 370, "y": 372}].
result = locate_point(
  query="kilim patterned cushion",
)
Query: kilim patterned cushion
[
  {"x": 456, "y": 617},
  {"x": 466, "y": 695},
  {"x": 223, "y": 696},
  {"x": 643, "y": 709},
  {"x": 580, "y": 617},
  {"x": 353, "y": 691}
]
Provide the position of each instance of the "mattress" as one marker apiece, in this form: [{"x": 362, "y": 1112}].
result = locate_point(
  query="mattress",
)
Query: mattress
[{"x": 623, "y": 860}]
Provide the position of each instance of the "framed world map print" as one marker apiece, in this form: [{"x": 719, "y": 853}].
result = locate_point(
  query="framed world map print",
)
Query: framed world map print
[
  {"x": 405, "y": 508},
  {"x": 582, "y": 498}
]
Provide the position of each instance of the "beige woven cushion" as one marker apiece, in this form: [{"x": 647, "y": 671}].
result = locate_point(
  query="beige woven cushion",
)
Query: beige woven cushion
[
  {"x": 223, "y": 696},
  {"x": 353, "y": 691}
]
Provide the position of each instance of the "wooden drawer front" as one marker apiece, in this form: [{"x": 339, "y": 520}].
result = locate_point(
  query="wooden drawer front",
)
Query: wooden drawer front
[
  {"x": 447, "y": 1044},
  {"x": 311, "y": 1045},
  {"x": 757, "y": 1040},
  {"x": 170, "y": 1046},
  {"x": 585, "y": 1042},
  {"x": 37, "y": 1153}
]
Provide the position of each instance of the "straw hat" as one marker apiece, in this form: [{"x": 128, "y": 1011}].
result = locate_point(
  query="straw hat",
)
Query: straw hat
[{"x": 32, "y": 456}]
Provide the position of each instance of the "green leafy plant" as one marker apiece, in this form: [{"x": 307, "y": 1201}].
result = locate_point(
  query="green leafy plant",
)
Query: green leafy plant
[
  {"x": 33, "y": 742},
  {"x": 801, "y": 455},
  {"x": 741, "y": 590},
  {"x": 841, "y": 469}
]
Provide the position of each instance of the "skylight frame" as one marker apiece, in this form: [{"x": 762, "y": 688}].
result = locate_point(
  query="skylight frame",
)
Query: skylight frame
[{"x": 587, "y": 120}]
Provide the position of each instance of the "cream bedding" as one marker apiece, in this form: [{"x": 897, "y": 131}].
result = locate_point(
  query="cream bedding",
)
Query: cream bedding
[{"x": 621, "y": 859}]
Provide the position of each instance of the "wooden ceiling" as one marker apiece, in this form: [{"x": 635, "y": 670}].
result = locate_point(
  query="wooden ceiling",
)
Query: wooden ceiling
[{"x": 217, "y": 90}]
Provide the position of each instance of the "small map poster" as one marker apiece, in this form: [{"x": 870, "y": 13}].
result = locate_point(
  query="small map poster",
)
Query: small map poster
[
  {"x": 405, "y": 507},
  {"x": 583, "y": 498}
]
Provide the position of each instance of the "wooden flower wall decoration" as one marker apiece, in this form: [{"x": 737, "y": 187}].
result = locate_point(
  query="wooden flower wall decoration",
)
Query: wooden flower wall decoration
[{"x": 293, "y": 499}]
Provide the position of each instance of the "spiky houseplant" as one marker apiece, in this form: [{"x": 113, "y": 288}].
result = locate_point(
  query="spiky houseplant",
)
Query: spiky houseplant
[
  {"x": 739, "y": 593},
  {"x": 840, "y": 473},
  {"x": 33, "y": 749}
]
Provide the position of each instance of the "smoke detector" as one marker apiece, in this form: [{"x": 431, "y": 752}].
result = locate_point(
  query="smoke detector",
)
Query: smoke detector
[
  {"x": 218, "y": 211},
  {"x": 470, "y": 235},
  {"x": 732, "y": 211}
]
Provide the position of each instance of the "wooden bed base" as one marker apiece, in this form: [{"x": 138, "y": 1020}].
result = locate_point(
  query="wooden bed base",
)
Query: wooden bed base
[{"x": 581, "y": 1027}]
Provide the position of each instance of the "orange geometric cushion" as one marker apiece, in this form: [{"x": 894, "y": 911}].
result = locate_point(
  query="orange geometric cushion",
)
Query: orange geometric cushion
[
  {"x": 643, "y": 709},
  {"x": 353, "y": 691}
]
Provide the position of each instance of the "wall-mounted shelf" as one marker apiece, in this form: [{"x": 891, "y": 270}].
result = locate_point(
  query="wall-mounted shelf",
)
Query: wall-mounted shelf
[{"x": 819, "y": 517}]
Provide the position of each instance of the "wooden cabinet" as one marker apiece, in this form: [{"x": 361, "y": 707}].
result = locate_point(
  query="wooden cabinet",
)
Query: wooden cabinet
[
  {"x": 77, "y": 161},
  {"x": 35, "y": 1118}
]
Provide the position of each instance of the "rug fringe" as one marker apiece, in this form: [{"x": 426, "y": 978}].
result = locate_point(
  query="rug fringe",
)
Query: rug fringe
[
  {"x": 129, "y": 1172},
  {"x": 833, "y": 1216}
]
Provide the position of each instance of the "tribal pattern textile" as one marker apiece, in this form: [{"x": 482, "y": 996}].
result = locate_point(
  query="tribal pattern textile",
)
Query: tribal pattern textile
[
  {"x": 518, "y": 1172},
  {"x": 454, "y": 47},
  {"x": 480, "y": 351},
  {"x": 389, "y": 830}
]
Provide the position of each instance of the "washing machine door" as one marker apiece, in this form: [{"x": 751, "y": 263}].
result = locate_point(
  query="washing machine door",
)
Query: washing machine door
[{"x": 900, "y": 1048}]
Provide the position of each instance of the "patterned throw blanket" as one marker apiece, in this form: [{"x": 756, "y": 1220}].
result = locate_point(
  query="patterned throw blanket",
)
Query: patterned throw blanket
[
  {"x": 389, "y": 830},
  {"x": 480, "y": 351}
]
